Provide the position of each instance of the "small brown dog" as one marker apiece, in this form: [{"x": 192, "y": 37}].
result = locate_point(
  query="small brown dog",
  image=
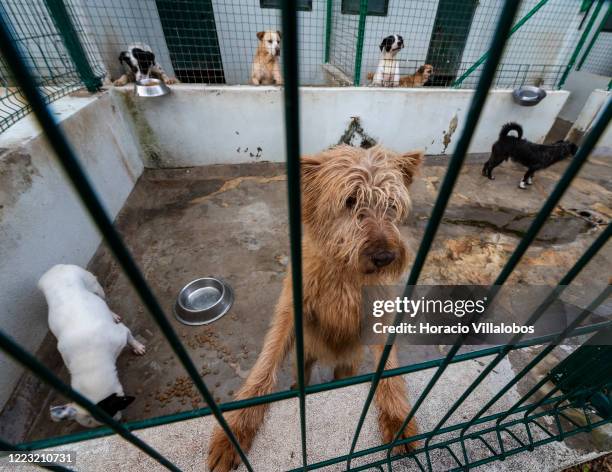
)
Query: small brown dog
[
  {"x": 417, "y": 79},
  {"x": 266, "y": 65},
  {"x": 353, "y": 201}
]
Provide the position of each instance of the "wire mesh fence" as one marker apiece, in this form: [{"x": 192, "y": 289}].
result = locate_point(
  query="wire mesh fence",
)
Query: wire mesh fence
[
  {"x": 214, "y": 42},
  {"x": 35, "y": 31}
]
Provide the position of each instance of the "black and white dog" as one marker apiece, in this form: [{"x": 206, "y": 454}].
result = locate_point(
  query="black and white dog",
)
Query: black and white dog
[
  {"x": 387, "y": 73},
  {"x": 139, "y": 63},
  {"x": 90, "y": 337},
  {"x": 533, "y": 156}
]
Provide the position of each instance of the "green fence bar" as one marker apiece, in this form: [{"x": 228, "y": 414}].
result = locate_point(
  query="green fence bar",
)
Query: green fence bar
[
  {"x": 29, "y": 361},
  {"x": 476, "y": 106},
  {"x": 71, "y": 39},
  {"x": 484, "y": 57},
  {"x": 595, "y": 36},
  {"x": 287, "y": 394},
  {"x": 583, "y": 37},
  {"x": 82, "y": 185},
  {"x": 363, "y": 11},
  {"x": 328, "y": 28},
  {"x": 292, "y": 140}
]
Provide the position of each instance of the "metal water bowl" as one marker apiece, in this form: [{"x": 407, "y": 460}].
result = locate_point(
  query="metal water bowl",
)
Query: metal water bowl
[
  {"x": 528, "y": 95},
  {"x": 203, "y": 301},
  {"x": 151, "y": 88}
]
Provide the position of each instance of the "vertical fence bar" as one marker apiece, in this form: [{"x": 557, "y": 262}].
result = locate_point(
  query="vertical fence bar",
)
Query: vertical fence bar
[
  {"x": 578, "y": 47},
  {"x": 595, "y": 36},
  {"x": 484, "y": 57},
  {"x": 292, "y": 134},
  {"x": 497, "y": 46},
  {"x": 328, "y": 28},
  {"x": 363, "y": 11},
  {"x": 82, "y": 185},
  {"x": 66, "y": 29},
  {"x": 29, "y": 361}
]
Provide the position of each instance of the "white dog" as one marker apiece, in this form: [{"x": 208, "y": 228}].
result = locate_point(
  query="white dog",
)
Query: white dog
[
  {"x": 90, "y": 337},
  {"x": 388, "y": 73}
]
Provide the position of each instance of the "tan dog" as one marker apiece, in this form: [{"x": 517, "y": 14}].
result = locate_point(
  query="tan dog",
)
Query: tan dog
[
  {"x": 417, "y": 79},
  {"x": 266, "y": 65},
  {"x": 353, "y": 201}
]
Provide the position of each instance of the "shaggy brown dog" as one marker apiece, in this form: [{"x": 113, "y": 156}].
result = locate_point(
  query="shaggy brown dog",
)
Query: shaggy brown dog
[
  {"x": 266, "y": 65},
  {"x": 353, "y": 202},
  {"x": 417, "y": 79}
]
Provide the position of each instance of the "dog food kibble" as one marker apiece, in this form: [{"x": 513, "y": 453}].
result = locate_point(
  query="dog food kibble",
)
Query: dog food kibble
[
  {"x": 218, "y": 384},
  {"x": 231, "y": 392}
]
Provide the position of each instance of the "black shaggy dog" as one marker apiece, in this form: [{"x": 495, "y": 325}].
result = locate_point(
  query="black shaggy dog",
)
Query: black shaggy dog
[{"x": 531, "y": 155}]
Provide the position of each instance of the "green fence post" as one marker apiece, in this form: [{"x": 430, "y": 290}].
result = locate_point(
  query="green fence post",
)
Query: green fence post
[
  {"x": 363, "y": 10},
  {"x": 63, "y": 23},
  {"x": 595, "y": 36},
  {"x": 328, "y": 27},
  {"x": 578, "y": 47},
  {"x": 292, "y": 142}
]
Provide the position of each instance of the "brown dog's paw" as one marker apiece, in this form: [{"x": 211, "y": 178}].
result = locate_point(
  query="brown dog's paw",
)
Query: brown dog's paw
[
  {"x": 222, "y": 457},
  {"x": 389, "y": 426},
  {"x": 170, "y": 81}
]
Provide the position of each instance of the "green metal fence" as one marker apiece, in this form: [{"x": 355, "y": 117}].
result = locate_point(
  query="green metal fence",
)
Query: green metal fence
[
  {"x": 60, "y": 56},
  {"x": 521, "y": 428}
]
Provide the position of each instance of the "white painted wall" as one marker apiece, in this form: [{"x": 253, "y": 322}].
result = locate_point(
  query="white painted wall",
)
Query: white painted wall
[
  {"x": 238, "y": 21},
  {"x": 42, "y": 221},
  {"x": 113, "y": 26},
  {"x": 231, "y": 123},
  {"x": 581, "y": 85}
]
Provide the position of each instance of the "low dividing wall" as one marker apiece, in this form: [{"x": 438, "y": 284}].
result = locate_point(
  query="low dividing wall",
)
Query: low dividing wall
[
  {"x": 42, "y": 221},
  {"x": 198, "y": 125}
]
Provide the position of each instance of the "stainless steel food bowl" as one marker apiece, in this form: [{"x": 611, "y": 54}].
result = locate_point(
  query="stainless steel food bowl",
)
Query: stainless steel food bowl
[
  {"x": 528, "y": 95},
  {"x": 151, "y": 88},
  {"x": 203, "y": 301}
]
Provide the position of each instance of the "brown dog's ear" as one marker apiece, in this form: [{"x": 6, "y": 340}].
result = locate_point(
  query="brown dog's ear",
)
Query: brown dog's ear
[
  {"x": 279, "y": 34},
  {"x": 260, "y": 35},
  {"x": 409, "y": 163},
  {"x": 421, "y": 69}
]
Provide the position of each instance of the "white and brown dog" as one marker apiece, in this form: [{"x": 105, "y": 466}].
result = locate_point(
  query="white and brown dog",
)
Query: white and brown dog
[
  {"x": 139, "y": 63},
  {"x": 90, "y": 337},
  {"x": 266, "y": 63},
  {"x": 387, "y": 73}
]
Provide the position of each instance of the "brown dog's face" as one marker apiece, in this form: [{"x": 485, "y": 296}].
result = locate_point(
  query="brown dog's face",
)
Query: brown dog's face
[
  {"x": 270, "y": 40},
  {"x": 426, "y": 70},
  {"x": 354, "y": 200}
]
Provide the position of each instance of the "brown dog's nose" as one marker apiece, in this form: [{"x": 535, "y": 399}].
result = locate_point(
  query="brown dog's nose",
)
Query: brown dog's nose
[{"x": 383, "y": 258}]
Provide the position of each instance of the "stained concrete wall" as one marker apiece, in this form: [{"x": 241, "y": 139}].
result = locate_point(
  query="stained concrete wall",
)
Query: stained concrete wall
[
  {"x": 42, "y": 221},
  {"x": 246, "y": 124},
  {"x": 593, "y": 107}
]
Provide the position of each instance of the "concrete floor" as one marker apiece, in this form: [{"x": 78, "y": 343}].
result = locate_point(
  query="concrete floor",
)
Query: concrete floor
[{"x": 231, "y": 221}]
